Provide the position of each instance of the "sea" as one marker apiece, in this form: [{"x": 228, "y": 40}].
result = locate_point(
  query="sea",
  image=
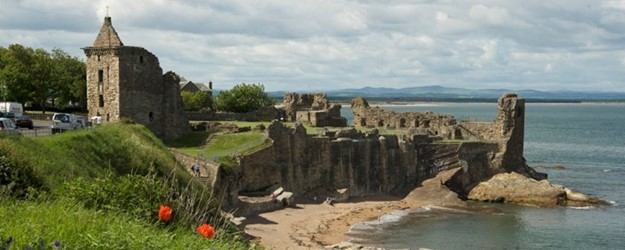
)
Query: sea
[{"x": 587, "y": 139}]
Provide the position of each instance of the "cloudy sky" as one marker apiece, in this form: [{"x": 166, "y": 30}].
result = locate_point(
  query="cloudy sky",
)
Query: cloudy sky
[{"x": 307, "y": 45}]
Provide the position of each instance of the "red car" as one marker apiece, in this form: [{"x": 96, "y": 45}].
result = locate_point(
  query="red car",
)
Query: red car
[{"x": 24, "y": 122}]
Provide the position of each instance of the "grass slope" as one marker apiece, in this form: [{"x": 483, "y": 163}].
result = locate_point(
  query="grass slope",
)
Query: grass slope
[{"x": 101, "y": 188}]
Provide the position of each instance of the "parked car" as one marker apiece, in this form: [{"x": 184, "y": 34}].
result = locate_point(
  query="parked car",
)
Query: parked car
[
  {"x": 24, "y": 122},
  {"x": 7, "y": 126},
  {"x": 10, "y": 115},
  {"x": 62, "y": 122}
]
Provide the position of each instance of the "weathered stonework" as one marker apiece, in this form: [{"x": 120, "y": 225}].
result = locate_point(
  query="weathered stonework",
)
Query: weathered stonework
[
  {"x": 313, "y": 109},
  {"x": 370, "y": 163},
  {"x": 429, "y": 123},
  {"x": 128, "y": 82}
]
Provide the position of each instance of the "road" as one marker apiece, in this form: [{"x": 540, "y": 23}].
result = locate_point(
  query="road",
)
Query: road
[{"x": 42, "y": 128}]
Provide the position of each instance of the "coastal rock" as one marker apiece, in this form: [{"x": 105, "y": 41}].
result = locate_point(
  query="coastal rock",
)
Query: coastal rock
[{"x": 519, "y": 189}]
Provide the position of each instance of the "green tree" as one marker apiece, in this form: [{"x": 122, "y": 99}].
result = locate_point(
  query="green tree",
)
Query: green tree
[
  {"x": 243, "y": 98},
  {"x": 36, "y": 76},
  {"x": 194, "y": 101},
  {"x": 68, "y": 79},
  {"x": 15, "y": 72}
]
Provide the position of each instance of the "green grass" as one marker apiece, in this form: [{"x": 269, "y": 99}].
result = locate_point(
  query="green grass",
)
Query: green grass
[
  {"x": 224, "y": 144},
  {"x": 117, "y": 148},
  {"x": 101, "y": 189},
  {"x": 29, "y": 222}
]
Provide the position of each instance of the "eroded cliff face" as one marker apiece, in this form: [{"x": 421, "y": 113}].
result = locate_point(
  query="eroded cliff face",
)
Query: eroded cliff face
[{"x": 370, "y": 163}]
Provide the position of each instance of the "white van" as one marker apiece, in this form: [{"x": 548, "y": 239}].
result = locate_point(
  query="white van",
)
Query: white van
[
  {"x": 12, "y": 107},
  {"x": 64, "y": 121}
]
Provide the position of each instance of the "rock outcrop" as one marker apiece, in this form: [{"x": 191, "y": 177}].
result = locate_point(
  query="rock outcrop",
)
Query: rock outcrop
[{"x": 519, "y": 189}]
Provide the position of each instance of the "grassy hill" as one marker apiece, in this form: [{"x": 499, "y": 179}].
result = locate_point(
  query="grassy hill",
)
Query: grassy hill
[{"x": 102, "y": 188}]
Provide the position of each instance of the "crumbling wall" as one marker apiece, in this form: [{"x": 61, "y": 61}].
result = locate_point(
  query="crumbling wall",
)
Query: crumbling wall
[
  {"x": 432, "y": 123},
  {"x": 313, "y": 109},
  {"x": 294, "y": 102},
  {"x": 370, "y": 163},
  {"x": 362, "y": 163}
]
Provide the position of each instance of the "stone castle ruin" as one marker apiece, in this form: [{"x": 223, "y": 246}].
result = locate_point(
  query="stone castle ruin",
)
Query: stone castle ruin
[
  {"x": 127, "y": 82},
  {"x": 313, "y": 109},
  {"x": 366, "y": 163},
  {"x": 427, "y": 123}
]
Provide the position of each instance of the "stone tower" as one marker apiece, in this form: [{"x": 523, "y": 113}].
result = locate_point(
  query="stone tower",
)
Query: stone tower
[{"x": 128, "y": 82}]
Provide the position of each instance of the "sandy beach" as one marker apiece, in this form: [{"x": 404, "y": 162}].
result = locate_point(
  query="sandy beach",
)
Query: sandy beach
[{"x": 315, "y": 225}]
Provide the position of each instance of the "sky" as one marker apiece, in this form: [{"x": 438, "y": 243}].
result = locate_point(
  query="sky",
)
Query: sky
[{"x": 307, "y": 45}]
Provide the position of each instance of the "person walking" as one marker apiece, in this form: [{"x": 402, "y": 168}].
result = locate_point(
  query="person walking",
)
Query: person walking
[{"x": 196, "y": 169}]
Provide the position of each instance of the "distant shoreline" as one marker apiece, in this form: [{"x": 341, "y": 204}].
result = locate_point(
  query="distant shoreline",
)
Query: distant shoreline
[{"x": 410, "y": 101}]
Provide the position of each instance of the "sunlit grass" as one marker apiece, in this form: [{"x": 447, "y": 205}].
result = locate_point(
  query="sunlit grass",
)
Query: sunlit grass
[{"x": 31, "y": 223}]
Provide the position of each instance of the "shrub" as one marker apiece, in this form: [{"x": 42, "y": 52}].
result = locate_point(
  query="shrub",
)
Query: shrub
[
  {"x": 141, "y": 196},
  {"x": 18, "y": 180}
]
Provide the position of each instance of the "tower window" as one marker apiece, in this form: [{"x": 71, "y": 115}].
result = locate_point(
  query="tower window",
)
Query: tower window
[
  {"x": 141, "y": 59},
  {"x": 151, "y": 116},
  {"x": 101, "y": 101},
  {"x": 98, "y": 58},
  {"x": 100, "y": 75}
]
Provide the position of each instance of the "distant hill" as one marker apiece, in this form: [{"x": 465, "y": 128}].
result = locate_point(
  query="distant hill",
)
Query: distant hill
[{"x": 435, "y": 92}]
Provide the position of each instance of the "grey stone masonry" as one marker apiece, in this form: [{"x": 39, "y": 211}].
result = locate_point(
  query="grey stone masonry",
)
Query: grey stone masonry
[{"x": 126, "y": 82}]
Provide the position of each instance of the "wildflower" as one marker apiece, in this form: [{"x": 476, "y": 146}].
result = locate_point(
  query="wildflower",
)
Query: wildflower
[
  {"x": 56, "y": 244},
  {"x": 164, "y": 213},
  {"x": 206, "y": 230}
]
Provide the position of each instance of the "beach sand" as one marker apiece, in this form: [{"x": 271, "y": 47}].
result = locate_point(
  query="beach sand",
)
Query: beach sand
[{"x": 317, "y": 225}]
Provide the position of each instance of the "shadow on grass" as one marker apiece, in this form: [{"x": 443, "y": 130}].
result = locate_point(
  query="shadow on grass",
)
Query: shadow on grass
[{"x": 193, "y": 139}]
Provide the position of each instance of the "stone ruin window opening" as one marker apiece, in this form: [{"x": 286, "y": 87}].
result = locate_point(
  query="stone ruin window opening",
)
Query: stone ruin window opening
[
  {"x": 416, "y": 123},
  {"x": 151, "y": 116},
  {"x": 426, "y": 124},
  {"x": 98, "y": 58},
  {"x": 100, "y": 76},
  {"x": 381, "y": 123},
  {"x": 402, "y": 123},
  {"x": 101, "y": 100},
  {"x": 141, "y": 59}
]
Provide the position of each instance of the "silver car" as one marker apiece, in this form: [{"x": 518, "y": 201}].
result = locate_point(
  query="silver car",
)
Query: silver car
[{"x": 7, "y": 126}]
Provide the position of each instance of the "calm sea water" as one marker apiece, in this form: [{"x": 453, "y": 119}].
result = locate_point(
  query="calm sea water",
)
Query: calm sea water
[{"x": 588, "y": 139}]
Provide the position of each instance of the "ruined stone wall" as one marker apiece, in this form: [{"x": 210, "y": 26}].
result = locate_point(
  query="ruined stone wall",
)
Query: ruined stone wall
[
  {"x": 294, "y": 102},
  {"x": 362, "y": 163},
  {"x": 376, "y": 117},
  {"x": 367, "y": 164},
  {"x": 478, "y": 130},
  {"x": 313, "y": 109},
  {"x": 141, "y": 88}
]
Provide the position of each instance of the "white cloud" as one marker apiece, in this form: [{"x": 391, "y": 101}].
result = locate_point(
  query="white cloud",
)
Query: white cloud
[
  {"x": 328, "y": 44},
  {"x": 495, "y": 16},
  {"x": 614, "y": 4}
]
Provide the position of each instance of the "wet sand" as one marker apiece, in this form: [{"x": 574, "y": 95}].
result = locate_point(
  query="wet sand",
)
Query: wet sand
[{"x": 317, "y": 225}]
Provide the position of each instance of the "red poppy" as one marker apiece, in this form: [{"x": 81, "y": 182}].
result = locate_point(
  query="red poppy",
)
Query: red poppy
[
  {"x": 164, "y": 213},
  {"x": 206, "y": 230}
]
